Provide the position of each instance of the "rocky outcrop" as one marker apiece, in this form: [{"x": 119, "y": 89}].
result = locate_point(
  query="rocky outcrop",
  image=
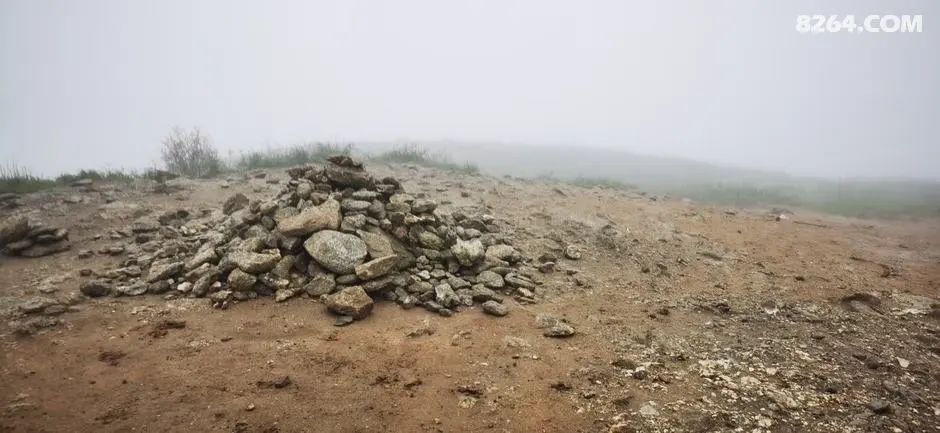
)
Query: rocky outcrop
[{"x": 20, "y": 237}]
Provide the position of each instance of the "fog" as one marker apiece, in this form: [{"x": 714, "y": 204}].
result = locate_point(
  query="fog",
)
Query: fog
[{"x": 97, "y": 84}]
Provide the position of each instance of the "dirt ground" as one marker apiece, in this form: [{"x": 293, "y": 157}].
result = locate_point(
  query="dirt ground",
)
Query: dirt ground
[{"x": 689, "y": 318}]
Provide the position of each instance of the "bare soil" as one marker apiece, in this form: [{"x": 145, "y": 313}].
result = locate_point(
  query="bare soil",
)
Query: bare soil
[{"x": 689, "y": 318}]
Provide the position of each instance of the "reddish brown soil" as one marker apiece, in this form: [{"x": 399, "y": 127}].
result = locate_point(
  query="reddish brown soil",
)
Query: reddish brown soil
[{"x": 646, "y": 289}]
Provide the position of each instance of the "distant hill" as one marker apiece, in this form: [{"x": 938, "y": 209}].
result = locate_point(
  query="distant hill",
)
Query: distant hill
[{"x": 695, "y": 179}]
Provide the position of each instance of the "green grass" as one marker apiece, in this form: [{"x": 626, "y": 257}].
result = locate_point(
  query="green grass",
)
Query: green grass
[
  {"x": 602, "y": 182},
  {"x": 852, "y": 198},
  {"x": 741, "y": 195},
  {"x": 862, "y": 199},
  {"x": 406, "y": 153},
  {"x": 16, "y": 179},
  {"x": 290, "y": 156},
  {"x": 415, "y": 154},
  {"x": 20, "y": 180},
  {"x": 587, "y": 182},
  {"x": 107, "y": 175}
]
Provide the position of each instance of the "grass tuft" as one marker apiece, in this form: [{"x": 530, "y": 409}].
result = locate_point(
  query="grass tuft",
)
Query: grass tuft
[
  {"x": 587, "y": 182},
  {"x": 290, "y": 156},
  {"x": 107, "y": 175},
  {"x": 414, "y": 154},
  {"x": 601, "y": 182},
  {"x": 860, "y": 198},
  {"x": 20, "y": 180}
]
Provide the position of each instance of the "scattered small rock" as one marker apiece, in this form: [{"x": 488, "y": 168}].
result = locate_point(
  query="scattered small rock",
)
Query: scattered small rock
[
  {"x": 880, "y": 407},
  {"x": 351, "y": 301},
  {"x": 281, "y": 382},
  {"x": 573, "y": 252},
  {"x": 111, "y": 357},
  {"x": 495, "y": 308},
  {"x": 162, "y": 328}
]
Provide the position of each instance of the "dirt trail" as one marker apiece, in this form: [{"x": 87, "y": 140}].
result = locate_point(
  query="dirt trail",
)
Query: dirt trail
[{"x": 689, "y": 318}]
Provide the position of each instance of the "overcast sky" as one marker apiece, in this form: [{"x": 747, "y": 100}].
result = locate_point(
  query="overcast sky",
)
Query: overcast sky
[{"x": 98, "y": 83}]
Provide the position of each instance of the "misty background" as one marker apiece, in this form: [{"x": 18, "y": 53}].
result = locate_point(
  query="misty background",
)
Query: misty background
[{"x": 98, "y": 84}]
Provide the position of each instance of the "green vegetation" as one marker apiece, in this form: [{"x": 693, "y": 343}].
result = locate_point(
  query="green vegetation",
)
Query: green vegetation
[
  {"x": 595, "y": 168},
  {"x": 739, "y": 195},
  {"x": 113, "y": 176},
  {"x": 312, "y": 153},
  {"x": 853, "y": 198},
  {"x": 19, "y": 180},
  {"x": 587, "y": 182},
  {"x": 704, "y": 182},
  {"x": 602, "y": 182},
  {"x": 406, "y": 153},
  {"x": 290, "y": 156},
  {"x": 414, "y": 154}
]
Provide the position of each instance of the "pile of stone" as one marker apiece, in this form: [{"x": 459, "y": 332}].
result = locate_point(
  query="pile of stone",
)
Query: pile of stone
[
  {"x": 334, "y": 233},
  {"x": 20, "y": 237}
]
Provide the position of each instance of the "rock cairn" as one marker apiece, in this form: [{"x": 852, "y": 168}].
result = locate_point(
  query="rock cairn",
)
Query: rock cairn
[
  {"x": 20, "y": 237},
  {"x": 334, "y": 233}
]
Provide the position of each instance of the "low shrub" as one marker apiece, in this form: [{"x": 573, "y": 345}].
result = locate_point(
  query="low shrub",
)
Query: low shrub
[{"x": 190, "y": 153}]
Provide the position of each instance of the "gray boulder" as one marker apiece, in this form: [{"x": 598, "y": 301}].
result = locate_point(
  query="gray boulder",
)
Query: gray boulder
[
  {"x": 205, "y": 254},
  {"x": 430, "y": 240},
  {"x": 322, "y": 217},
  {"x": 494, "y": 308},
  {"x": 282, "y": 295},
  {"x": 235, "y": 203},
  {"x": 203, "y": 283},
  {"x": 252, "y": 263},
  {"x": 377, "y": 267},
  {"x": 378, "y": 244},
  {"x": 351, "y": 301},
  {"x": 221, "y": 296},
  {"x": 491, "y": 279},
  {"x": 95, "y": 288},
  {"x": 502, "y": 252},
  {"x": 165, "y": 270},
  {"x": 560, "y": 330},
  {"x": 336, "y": 251},
  {"x": 41, "y": 250},
  {"x": 422, "y": 205},
  {"x": 319, "y": 285},
  {"x": 445, "y": 295},
  {"x": 13, "y": 229},
  {"x": 401, "y": 198},
  {"x": 340, "y": 176},
  {"x": 136, "y": 289},
  {"x": 351, "y": 223},
  {"x": 355, "y": 205},
  {"x": 468, "y": 253},
  {"x": 483, "y": 294},
  {"x": 284, "y": 266},
  {"x": 241, "y": 281},
  {"x": 36, "y": 304},
  {"x": 553, "y": 326}
]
